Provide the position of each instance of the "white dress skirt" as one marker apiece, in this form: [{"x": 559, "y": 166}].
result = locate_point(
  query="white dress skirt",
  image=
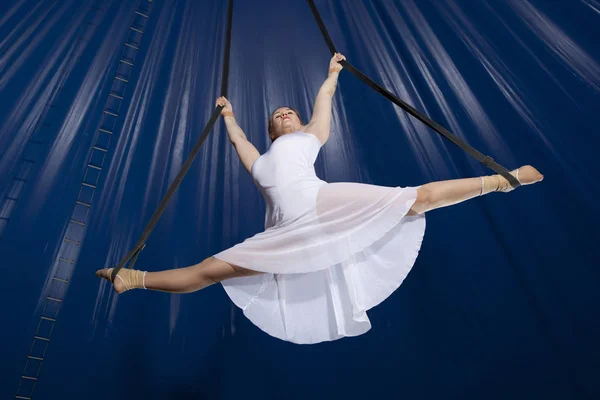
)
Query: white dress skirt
[{"x": 329, "y": 251}]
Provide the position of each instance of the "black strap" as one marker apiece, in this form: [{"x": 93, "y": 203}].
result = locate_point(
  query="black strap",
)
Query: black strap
[
  {"x": 486, "y": 160},
  {"x": 134, "y": 253}
]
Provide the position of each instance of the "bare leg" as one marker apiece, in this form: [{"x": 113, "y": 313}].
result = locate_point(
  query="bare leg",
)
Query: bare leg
[
  {"x": 179, "y": 280},
  {"x": 446, "y": 193}
]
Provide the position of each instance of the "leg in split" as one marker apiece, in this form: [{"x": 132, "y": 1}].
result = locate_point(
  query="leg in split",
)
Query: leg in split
[
  {"x": 446, "y": 193},
  {"x": 179, "y": 280}
]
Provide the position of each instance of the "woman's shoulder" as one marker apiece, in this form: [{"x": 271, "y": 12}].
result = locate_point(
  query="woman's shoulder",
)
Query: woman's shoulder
[{"x": 312, "y": 131}]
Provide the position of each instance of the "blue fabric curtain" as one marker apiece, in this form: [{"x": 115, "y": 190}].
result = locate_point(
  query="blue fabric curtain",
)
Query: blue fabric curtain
[{"x": 502, "y": 302}]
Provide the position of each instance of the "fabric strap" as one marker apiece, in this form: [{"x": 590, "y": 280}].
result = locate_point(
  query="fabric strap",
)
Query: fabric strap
[
  {"x": 486, "y": 160},
  {"x": 133, "y": 254}
]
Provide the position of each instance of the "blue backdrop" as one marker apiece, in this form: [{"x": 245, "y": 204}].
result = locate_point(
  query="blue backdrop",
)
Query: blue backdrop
[{"x": 503, "y": 300}]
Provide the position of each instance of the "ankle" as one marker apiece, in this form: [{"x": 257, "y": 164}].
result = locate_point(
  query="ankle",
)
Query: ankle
[
  {"x": 491, "y": 183},
  {"x": 132, "y": 278},
  {"x": 497, "y": 183}
]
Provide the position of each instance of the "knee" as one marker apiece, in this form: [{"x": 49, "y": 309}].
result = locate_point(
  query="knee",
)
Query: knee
[
  {"x": 206, "y": 271},
  {"x": 423, "y": 202},
  {"x": 213, "y": 270}
]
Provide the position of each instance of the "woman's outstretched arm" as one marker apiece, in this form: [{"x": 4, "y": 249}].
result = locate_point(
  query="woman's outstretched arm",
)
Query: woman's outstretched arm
[
  {"x": 320, "y": 122},
  {"x": 245, "y": 150}
]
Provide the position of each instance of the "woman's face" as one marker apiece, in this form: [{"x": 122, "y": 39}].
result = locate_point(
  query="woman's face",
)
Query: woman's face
[{"x": 284, "y": 120}]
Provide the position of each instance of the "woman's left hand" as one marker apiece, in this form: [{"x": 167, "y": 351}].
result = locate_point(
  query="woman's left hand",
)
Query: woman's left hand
[{"x": 334, "y": 64}]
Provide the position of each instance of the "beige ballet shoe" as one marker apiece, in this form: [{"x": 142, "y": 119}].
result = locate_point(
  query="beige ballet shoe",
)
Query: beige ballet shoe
[
  {"x": 126, "y": 279},
  {"x": 526, "y": 175}
]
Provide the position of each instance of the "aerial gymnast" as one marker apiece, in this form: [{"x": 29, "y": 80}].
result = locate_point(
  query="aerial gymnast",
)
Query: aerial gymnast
[{"x": 329, "y": 251}]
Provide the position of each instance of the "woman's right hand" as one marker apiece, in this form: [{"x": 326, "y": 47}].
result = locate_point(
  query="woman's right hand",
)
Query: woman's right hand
[{"x": 227, "y": 109}]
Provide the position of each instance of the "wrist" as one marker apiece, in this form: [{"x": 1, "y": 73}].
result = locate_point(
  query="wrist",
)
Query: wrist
[
  {"x": 334, "y": 71},
  {"x": 227, "y": 114}
]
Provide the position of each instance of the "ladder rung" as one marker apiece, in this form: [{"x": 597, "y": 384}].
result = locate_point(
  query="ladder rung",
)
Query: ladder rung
[
  {"x": 11, "y": 198},
  {"x": 121, "y": 79},
  {"x": 65, "y": 260},
  {"x": 42, "y": 338},
  {"x": 60, "y": 280},
  {"x": 132, "y": 46},
  {"x": 19, "y": 179},
  {"x": 143, "y": 15},
  {"x": 105, "y": 131},
  {"x": 126, "y": 62},
  {"x": 137, "y": 30},
  {"x": 54, "y": 298},
  {"x": 4, "y": 218},
  {"x": 99, "y": 148},
  {"x": 35, "y": 358},
  {"x": 114, "y": 95},
  {"x": 88, "y": 185},
  {"x": 77, "y": 222},
  {"x": 110, "y": 113},
  {"x": 72, "y": 241},
  {"x": 95, "y": 167},
  {"x": 28, "y": 161},
  {"x": 83, "y": 204},
  {"x": 28, "y": 377},
  {"x": 22, "y": 397},
  {"x": 48, "y": 318}
]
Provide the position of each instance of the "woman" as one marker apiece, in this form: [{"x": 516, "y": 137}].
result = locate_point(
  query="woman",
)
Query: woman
[{"x": 330, "y": 251}]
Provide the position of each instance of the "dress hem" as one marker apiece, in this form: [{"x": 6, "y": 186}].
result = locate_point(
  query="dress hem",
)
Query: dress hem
[{"x": 257, "y": 317}]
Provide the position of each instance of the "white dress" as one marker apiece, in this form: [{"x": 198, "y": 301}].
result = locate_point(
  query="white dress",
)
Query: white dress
[{"x": 329, "y": 251}]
